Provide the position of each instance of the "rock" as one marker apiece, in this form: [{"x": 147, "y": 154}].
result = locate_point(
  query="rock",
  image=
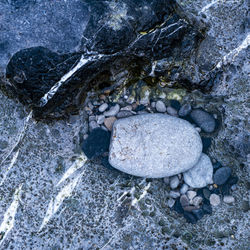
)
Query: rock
[
  {"x": 206, "y": 193},
  {"x": 108, "y": 122},
  {"x": 174, "y": 182},
  {"x": 222, "y": 175},
  {"x": 190, "y": 217},
  {"x": 232, "y": 180},
  {"x": 97, "y": 143},
  {"x": 127, "y": 108},
  {"x": 103, "y": 107},
  {"x": 154, "y": 145},
  {"x": 92, "y": 118},
  {"x": 113, "y": 111},
  {"x": 245, "y": 206},
  {"x": 206, "y": 142},
  {"x": 190, "y": 208},
  {"x": 184, "y": 201},
  {"x": 217, "y": 165},
  {"x": 171, "y": 202},
  {"x": 196, "y": 201},
  {"x": 166, "y": 180},
  {"x": 214, "y": 199},
  {"x": 178, "y": 207},
  {"x": 201, "y": 174},
  {"x": 198, "y": 213},
  {"x": 184, "y": 188},
  {"x": 228, "y": 199},
  {"x": 191, "y": 194},
  {"x": 153, "y": 104},
  {"x": 204, "y": 120},
  {"x": 175, "y": 104},
  {"x": 139, "y": 108},
  {"x": 124, "y": 114},
  {"x": 160, "y": 107},
  {"x": 172, "y": 111},
  {"x": 207, "y": 209},
  {"x": 174, "y": 194},
  {"x": 100, "y": 119},
  {"x": 93, "y": 125},
  {"x": 185, "y": 110}
]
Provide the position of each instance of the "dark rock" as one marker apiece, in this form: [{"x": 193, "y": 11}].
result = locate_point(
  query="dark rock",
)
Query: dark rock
[
  {"x": 221, "y": 175},
  {"x": 206, "y": 193},
  {"x": 97, "y": 143},
  {"x": 139, "y": 108},
  {"x": 178, "y": 207},
  {"x": 204, "y": 120},
  {"x": 105, "y": 163},
  {"x": 217, "y": 165},
  {"x": 206, "y": 142},
  {"x": 225, "y": 189},
  {"x": 175, "y": 104},
  {"x": 207, "y": 208},
  {"x": 119, "y": 36},
  {"x": 185, "y": 110},
  {"x": 198, "y": 213},
  {"x": 188, "y": 118},
  {"x": 232, "y": 180},
  {"x": 190, "y": 217}
]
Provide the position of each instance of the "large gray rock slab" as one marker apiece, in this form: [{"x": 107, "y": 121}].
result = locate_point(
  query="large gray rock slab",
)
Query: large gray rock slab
[
  {"x": 201, "y": 174},
  {"x": 154, "y": 145}
]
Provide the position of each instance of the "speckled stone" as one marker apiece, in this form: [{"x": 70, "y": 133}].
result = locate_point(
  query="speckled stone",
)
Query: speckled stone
[
  {"x": 201, "y": 174},
  {"x": 154, "y": 145},
  {"x": 214, "y": 199}
]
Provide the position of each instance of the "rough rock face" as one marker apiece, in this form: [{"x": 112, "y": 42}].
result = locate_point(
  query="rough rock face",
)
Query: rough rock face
[
  {"x": 154, "y": 145},
  {"x": 119, "y": 36}
]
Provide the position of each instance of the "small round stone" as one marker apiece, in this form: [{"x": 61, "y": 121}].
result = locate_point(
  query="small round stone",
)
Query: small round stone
[
  {"x": 184, "y": 201},
  {"x": 184, "y": 188},
  {"x": 191, "y": 194},
  {"x": 100, "y": 119},
  {"x": 103, "y": 107},
  {"x": 171, "y": 202},
  {"x": 172, "y": 111},
  {"x": 196, "y": 201},
  {"x": 160, "y": 107},
  {"x": 113, "y": 111},
  {"x": 214, "y": 199},
  {"x": 185, "y": 110},
  {"x": 221, "y": 175},
  {"x": 174, "y": 194},
  {"x": 108, "y": 122},
  {"x": 228, "y": 199},
  {"x": 174, "y": 182}
]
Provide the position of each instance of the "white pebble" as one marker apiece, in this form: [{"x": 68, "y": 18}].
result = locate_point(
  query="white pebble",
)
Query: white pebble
[
  {"x": 214, "y": 199},
  {"x": 174, "y": 182},
  {"x": 160, "y": 107},
  {"x": 100, "y": 119},
  {"x": 113, "y": 111},
  {"x": 171, "y": 202},
  {"x": 174, "y": 194},
  {"x": 191, "y": 194},
  {"x": 228, "y": 199},
  {"x": 103, "y": 107},
  {"x": 196, "y": 201},
  {"x": 184, "y": 188}
]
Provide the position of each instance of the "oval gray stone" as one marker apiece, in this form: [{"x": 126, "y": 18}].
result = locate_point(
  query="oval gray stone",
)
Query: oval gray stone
[
  {"x": 154, "y": 145},
  {"x": 201, "y": 174}
]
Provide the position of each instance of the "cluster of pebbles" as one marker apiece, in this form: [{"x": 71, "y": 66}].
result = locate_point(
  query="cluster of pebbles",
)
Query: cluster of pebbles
[{"x": 192, "y": 203}]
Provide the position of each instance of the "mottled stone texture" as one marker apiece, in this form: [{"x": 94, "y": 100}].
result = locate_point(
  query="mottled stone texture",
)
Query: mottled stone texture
[
  {"x": 120, "y": 35},
  {"x": 154, "y": 145}
]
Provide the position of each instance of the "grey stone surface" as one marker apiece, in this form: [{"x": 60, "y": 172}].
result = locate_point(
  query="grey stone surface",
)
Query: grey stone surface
[
  {"x": 154, "y": 145},
  {"x": 201, "y": 174},
  {"x": 184, "y": 188},
  {"x": 185, "y": 109},
  {"x": 160, "y": 107},
  {"x": 113, "y": 111},
  {"x": 174, "y": 182},
  {"x": 103, "y": 107},
  {"x": 214, "y": 200}
]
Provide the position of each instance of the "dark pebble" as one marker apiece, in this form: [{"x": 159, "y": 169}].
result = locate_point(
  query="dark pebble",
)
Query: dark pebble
[
  {"x": 139, "y": 108},
  {"x": 97, "y": 143},
  {"x": 185, "y": 110},
  {"x": 190, "y": 218},
  {"x": 206, "y": 142},
  {"x": 188, "y": 118},
  {"x": 215, "y": 191},
  {"x": 217, "y": 165},
  {"x": 198, "y": 213},
  {"x": 175, "y": 104},
  {"x": 207, "y": 208},
  {"x": 232, "y": 180},
  {"x": 222, "y": 175},
  {"x": 204, "y": 120},
  {"x": 225, "y": 189},
  {"x": 206, "y": 193},
  {"x": 177, "y": 207}
]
